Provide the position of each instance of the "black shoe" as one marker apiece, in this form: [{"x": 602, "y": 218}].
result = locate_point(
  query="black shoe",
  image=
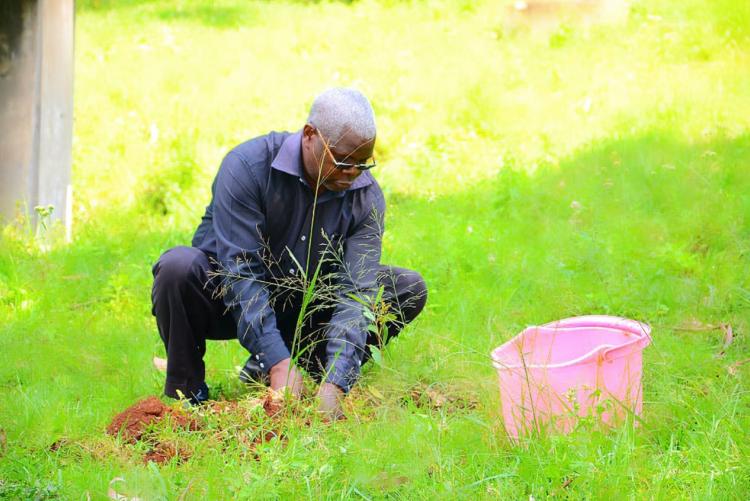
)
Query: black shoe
[
  {"x": 251, "y": 373},
  {"x": 199, "y": 396}
]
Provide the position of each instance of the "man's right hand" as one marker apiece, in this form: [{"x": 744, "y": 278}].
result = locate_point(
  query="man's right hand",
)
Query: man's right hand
[{"x": 285, "y": 374}]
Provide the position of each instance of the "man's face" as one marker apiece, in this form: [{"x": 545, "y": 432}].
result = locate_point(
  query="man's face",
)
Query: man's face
[{"x": 320, "y": 154}]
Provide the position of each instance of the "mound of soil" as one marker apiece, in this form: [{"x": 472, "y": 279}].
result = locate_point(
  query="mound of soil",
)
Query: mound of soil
[
  {"x": 133, "y": 421},
  {"x": 131, "y": 424}
]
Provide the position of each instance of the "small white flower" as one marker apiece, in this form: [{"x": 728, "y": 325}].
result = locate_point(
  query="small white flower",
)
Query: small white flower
[
  {"x": 586, "y": 105},
  {"x": 154, "y": 133}
]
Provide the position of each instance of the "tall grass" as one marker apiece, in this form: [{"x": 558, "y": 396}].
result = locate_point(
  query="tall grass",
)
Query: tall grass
[{"x": 530, "y": 174}]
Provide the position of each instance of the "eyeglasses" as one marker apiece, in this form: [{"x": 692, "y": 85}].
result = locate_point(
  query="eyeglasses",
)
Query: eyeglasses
[{"x": 344, "y": 165}]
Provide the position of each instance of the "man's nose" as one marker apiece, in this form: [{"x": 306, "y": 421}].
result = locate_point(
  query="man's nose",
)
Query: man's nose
[{"x": 351, "y": 171}]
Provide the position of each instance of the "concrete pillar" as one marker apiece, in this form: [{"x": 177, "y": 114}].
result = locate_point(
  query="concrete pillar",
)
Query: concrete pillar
[{"x": 36, "y": 105}]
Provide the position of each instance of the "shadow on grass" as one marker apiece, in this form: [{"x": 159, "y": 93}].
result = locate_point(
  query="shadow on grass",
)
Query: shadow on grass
[
  {"x": 221, "y": 14},
  {"x": 207, "y": 14},
  {"x": 650, "y": 227}
]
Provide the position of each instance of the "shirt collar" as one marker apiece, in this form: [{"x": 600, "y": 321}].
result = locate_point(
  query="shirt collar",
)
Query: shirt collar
[
  {"x": 289, "y": 157},
  {"x": 289, "y": 160}
]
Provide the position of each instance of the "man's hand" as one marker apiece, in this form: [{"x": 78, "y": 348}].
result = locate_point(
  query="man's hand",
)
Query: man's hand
[
  {"x": 285, "y": 374},
  {"x": 330, "y": 397}
]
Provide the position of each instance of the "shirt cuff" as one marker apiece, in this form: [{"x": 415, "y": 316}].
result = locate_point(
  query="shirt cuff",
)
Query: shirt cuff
[
  {"x": 344, "y": 373},
  {"x": 270, "y": 352}
]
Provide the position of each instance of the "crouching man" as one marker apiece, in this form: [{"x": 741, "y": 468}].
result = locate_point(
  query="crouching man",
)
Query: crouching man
[{"x": 287, "y": 260}]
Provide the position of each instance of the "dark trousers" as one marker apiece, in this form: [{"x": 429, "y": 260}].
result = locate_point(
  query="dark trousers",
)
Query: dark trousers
[{"x": 188, "y": 311}]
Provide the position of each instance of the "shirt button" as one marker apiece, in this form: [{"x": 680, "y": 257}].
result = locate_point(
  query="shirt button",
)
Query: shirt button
[
  {"x": 291, "y": 271},
  {"x": 261, "y": 365},
  {"x": 303, "y": 238},
  {"x": 257, "y": 357}
]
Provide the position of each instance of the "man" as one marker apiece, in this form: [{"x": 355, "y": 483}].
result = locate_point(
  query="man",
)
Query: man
[{"x": 287, "y": 259}]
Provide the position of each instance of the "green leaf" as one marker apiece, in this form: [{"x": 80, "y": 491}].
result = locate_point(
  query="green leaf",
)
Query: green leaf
[{"x": 377, "y": 356}]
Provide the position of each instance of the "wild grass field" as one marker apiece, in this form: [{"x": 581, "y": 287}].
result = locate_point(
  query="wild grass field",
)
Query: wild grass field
[{"x": 534, "y": 169}]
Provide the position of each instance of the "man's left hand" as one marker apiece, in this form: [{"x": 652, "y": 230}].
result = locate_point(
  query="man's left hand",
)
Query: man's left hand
[{"x": 330, "y": 397}]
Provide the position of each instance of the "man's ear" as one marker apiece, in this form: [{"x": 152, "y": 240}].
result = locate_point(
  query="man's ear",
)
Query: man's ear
[{"x": 308, "y": 131}]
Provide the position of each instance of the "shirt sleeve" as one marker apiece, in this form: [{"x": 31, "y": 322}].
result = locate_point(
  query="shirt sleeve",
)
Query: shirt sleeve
[
  {"x": 347, "y": 331},
  {"x": 238, "y": 222}
]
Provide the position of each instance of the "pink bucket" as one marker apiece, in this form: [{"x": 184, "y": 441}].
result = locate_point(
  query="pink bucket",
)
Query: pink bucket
[{"x": 552, "y": 375}]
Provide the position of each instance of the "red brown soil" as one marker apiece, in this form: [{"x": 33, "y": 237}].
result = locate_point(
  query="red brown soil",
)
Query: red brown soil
[
  {"x": 164, "y": 451},
  {"x": 272, "y": 406},
  {"x": 436, "y": 398},
  {"x": 223, "y": 406},
  {"x": 131, "y": 425},
  {"x": 262, "y": 438},
  {"x": 58, "y": 444},
  {"x": 133, "y": 421}
]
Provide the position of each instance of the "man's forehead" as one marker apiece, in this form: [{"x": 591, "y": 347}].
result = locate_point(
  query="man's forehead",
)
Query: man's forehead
[
  {"x": 364, "y": 151},
  {"x": 352, "y": 145}
]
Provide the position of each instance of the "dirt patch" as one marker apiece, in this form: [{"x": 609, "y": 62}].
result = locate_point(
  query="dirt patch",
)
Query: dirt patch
[
  {"x": 694, "y": 325},
  {"x": 242, "y": 417},
  {"x": 165, "y": 451},
  {"x": 133, "y": 421},
  {"x": 230, "y": 421},
  {"x": 255, "y": 440},
  {"x": 272, "y": 405},
  {"x": 58, "y": 444},
  {"x": 441, "y": 397},
  {"x": 223, "y": 406}
]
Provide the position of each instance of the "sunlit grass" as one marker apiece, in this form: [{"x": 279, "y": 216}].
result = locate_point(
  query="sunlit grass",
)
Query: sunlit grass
[{"x": 531, "y": 173}]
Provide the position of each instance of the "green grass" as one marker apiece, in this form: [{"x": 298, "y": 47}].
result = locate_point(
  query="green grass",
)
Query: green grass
[{"x": 530, "y": 174}]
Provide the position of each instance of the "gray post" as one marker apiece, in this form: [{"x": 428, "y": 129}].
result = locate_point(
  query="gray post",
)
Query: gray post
[{"x": 36, "y": 105}]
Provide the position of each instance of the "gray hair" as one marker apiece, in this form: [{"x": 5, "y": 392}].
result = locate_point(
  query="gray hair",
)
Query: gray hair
[{"x": 339, "y": 110}]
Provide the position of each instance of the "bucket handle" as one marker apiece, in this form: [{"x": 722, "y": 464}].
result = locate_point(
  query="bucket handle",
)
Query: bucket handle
[
  {"x": 609, "y": 354},
  {"x": 620, "y": 323}
]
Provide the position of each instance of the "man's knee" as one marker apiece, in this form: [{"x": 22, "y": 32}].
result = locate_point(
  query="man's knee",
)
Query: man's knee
[
  {"x": 416, "y": 290},
  {"x": 177, "y": 266},
  {"x": 408, "y": 291}
]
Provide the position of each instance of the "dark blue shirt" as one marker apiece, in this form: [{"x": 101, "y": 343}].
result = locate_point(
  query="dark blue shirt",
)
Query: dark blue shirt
[{"x": 259, "y": 226}]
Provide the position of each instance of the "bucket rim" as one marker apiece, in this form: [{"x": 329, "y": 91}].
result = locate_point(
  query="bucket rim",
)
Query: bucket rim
[{"x": 640, "y": 330}]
